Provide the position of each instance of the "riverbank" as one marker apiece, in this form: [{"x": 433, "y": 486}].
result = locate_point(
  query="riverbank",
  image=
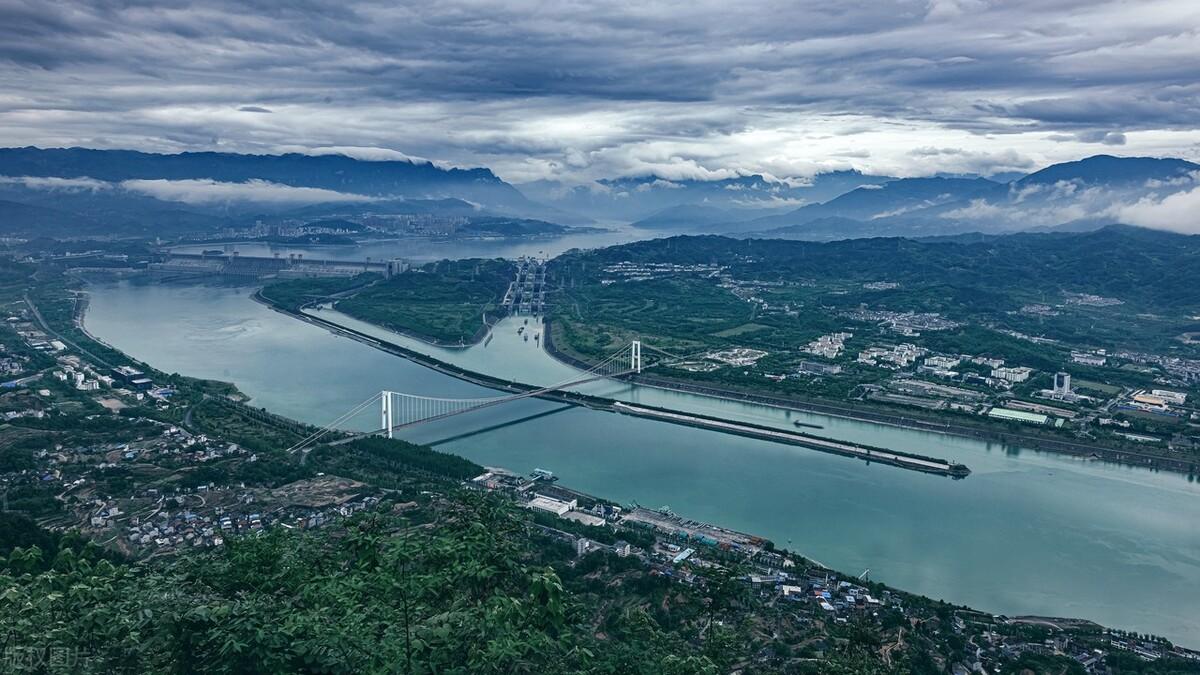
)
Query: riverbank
[{"x": 1123, "y": 457}]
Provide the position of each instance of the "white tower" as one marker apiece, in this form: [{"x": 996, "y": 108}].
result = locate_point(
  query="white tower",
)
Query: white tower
[
  {"x": 385, "y": 400},
  {"x": 635, "y": 356}
]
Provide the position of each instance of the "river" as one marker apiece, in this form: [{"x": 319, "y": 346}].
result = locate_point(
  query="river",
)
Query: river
[{"x": 1026, "y": 533}]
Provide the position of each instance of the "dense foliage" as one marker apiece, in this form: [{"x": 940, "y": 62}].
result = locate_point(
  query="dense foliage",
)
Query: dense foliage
[
  {"x": 295, "y": 293},
  {"x": 463, "y": 594},
  {"x": 1155, "y": 269},
  {"x": 444, "y": 301},
  {"x": 378, "y": 460}
]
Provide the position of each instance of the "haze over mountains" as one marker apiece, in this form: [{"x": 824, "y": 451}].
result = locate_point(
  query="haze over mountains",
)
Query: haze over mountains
[
  {"x": 79, "y": 189},
  {"x": 80, "y": 192},
  {"x": 1085, "y": 194}
]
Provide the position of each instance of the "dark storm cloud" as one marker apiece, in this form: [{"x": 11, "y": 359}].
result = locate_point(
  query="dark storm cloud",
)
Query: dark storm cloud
[{"x": 546, "y": 87}]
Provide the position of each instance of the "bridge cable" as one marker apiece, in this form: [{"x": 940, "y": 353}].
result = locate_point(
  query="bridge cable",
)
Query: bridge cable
[{"x": 332, "y": 426}]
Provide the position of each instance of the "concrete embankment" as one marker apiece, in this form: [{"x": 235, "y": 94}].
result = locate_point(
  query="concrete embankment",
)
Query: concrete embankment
[
  {"x": 894, "y": 458},
  {"x": 870, "y": 454}
]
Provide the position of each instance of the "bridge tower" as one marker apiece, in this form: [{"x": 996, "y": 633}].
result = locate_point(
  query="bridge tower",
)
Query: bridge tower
[
  {"x": 635, "y": 356},
  {"x": 385, "y": 401}
]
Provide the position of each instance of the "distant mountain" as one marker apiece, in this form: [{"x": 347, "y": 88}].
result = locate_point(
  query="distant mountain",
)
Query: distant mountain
[
  {"x": 697, "y": 218},
  {"x": 17, "y": 218},
  {"x": 81, "y": 192},
  {"x": 686, "y": 216},
  {"x": 137, "y": 192},
  {"x": 1084, "y": 194},
  {"x": 876, "y": 202},
  {"x": 1112, "y": 171},
  {"x": 641, "y": 198},
  {"x": 337, "y": 173},
  {"x": 1072, "y": 196}
]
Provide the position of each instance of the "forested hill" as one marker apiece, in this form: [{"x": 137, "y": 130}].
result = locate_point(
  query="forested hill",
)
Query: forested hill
[{"x": 1157, "y": 270}]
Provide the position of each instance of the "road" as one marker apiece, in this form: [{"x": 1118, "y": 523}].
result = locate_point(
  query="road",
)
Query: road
[{"x": 41, "y": 322}]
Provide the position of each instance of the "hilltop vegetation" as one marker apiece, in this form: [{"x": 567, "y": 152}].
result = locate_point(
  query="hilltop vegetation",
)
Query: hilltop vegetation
[
  {"x": 443, "y": 302},
  {"x": 451, "y": 586},
  {"x": 1156, "y": 269},
  {"x": 1151, "y": 274}
]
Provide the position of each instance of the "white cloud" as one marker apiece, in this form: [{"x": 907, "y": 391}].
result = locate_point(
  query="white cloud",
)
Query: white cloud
[
  {"x": 976, "y": 208},
  {"x": 206, "y": 191},
  {"x": 949, "y": 9},
  {"x": 581, "y": 91},
  {"x": 367, "y": 154},
  {"x": 1179, "y": 212},
  {"x": 658, "y": 183},
  {"x": 1178, "y": 181},
  {"x": 81, "y": 183}
]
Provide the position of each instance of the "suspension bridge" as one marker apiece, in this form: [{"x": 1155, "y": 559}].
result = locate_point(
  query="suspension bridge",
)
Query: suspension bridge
[{"x": 399, "y": 410}]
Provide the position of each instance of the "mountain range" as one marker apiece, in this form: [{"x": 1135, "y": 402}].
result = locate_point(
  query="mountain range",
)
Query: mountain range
[
  {"x": 81, "y": 192},
  {"x": 640, "y": 199},
  {"x": 72, "y": 191},
  {"x": 1079, "y": 195}
]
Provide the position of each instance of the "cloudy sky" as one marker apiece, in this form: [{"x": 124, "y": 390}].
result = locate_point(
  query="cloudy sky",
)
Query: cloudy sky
[{"x": 574, "y": 90}]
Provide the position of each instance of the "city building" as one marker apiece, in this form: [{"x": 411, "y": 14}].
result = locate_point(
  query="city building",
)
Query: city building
[
  {"x": 397, "y": 266},
  {"x": 942, "y": 362},
  {"x": 1062, "y": 384},
  {"x": 551, "y": 505},
  {"x": 900, "y": 356},
  {"x": 1014, "y": 374},
  {"x": 127, "y": 373},
  {"x": 815, "y": 368},
  {"x": 828, "y": 346},
  {"x": 1171, "y": 397},
  {"x": 1089, "y": 359},
  {"x": 1017, "y": 416}
]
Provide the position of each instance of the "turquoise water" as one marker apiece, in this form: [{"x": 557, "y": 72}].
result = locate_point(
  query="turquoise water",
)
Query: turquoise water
[{"x": 1026, "y": 533}]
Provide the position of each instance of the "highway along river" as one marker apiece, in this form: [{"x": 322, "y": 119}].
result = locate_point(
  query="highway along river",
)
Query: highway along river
[{"x": 1026, "y": 533}]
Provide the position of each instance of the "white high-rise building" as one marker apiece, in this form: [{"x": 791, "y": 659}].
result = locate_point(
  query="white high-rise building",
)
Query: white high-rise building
[{"x": 1062, "y": 384}]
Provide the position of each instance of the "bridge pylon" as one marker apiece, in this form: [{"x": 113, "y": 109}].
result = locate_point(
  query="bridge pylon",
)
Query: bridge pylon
[
  {"x": 385, "y": 402},
  {"x": 635, "y": 356}
]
